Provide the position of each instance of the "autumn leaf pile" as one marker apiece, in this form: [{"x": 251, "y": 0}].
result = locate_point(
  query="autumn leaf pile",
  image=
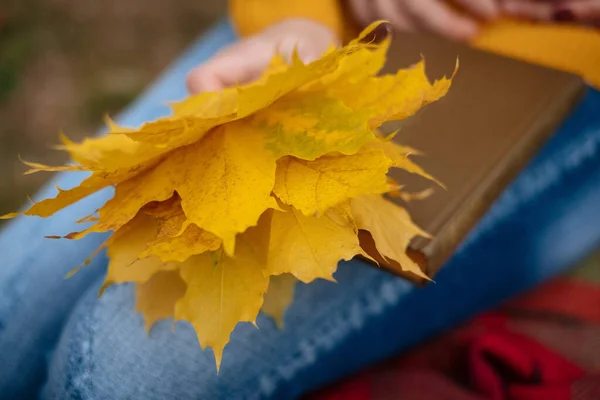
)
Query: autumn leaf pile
[{"x": 252, "y": 188}]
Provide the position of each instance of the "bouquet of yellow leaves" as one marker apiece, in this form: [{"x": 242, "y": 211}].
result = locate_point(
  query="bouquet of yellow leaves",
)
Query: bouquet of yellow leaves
[{"x": 221, "y": 207}]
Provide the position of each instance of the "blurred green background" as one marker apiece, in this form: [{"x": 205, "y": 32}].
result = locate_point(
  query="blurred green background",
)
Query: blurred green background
[{"x": 64, "y": 64}]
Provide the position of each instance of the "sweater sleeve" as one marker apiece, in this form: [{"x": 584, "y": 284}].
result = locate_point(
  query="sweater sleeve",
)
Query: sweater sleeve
[
  {"x": 570, "y": 48},
  {"x": 252, "y": 16}
]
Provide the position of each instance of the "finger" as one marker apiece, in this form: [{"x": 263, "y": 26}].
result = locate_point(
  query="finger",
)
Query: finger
[
  {"x": 309, "y": 52},
  {"x": 362, "y": 11},
  {"x": 438, "y": 18},
  {"x": 393, "y": 11},
  {"x": 202, "y": 79},
  {"x": 236, "y": 65},
  {"x": 533, "y": 10},
  {"x": 222, "y": 73},
  {"x": 308, "y": 49},
  {"x": 486, "y": 9},
  {"x": 580, "y": 10}
]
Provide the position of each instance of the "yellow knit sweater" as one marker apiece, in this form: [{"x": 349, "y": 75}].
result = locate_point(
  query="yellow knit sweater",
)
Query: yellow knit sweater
[{"x": 570, "y": 48}]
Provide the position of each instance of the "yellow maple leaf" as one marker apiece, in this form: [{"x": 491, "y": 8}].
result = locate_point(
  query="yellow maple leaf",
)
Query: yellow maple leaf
[
  {"x": 64, "y": 198},
  {"x": 192, "y": 241},
  {"x": 315, "y": 186},
  {"x": 98, "y": 153},
  {"x": 224, "y": 102},
  {"x": 391, "y": 228},
  {"x": 275, "y": 85},
  {"x": 155, "y": 299},
  {"x": 391, "y": 97},
  {"x": 279, "y": 296},
  {"x": 225, "y": 181},
  {"x": 177, "y": 131},
  {"x": 97, "y": 181},
  {"x": 309, "y": 247},
  {"x": 222, "y": 291},
  {"x": 364, "y": 62},
  {"x": 125, "y": 246},
  {"x": 115, "y": 154},
  {"x": 309, "y": 125},
  {"x": 37, "y": 167},
  {"x": 400, "y": 157},
  {"x": 177, "y": 239},
  {"x": 130, "y": 196},
  {"x": 207, "y": 104},
  {"x": 408, "y": 197},
  {"x": 342, "y": 215}
]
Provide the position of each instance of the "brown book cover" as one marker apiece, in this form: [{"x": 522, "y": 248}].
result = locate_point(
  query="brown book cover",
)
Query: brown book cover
[{"x": 496, "y": 116}]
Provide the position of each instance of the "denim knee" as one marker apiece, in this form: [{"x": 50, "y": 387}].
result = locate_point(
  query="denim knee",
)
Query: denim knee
[{"x": 105, "y": 353}]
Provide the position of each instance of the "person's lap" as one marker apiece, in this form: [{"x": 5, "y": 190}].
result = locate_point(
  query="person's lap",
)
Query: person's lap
[{"x": 331, "y": 329}]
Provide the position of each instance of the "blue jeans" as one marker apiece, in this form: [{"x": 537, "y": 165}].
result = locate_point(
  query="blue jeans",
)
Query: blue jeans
[{"x": 58, "y": 340}]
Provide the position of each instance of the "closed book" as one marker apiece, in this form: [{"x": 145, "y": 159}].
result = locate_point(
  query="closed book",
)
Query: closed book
[{"x": 497, "y": 115}]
